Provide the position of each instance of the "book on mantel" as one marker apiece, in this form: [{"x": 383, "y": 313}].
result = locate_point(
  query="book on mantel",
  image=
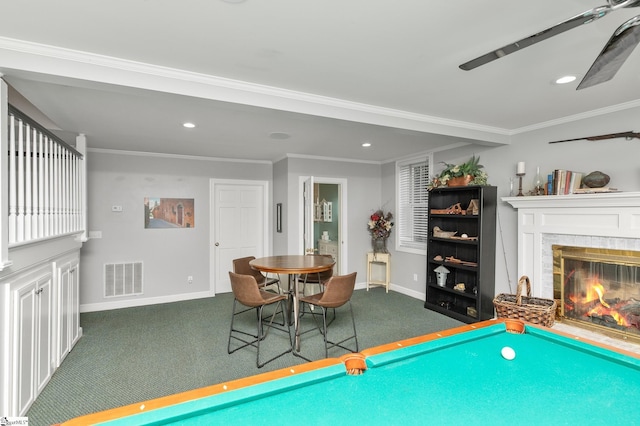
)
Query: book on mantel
[{"x": 566, "y": 182}]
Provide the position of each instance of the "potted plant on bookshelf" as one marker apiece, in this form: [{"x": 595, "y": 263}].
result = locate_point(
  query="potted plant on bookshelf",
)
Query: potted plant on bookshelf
[{"x": 468, "y": 173}]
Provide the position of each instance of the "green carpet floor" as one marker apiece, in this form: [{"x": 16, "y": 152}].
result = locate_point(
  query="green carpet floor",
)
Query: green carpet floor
[{"x": 134, "y": 354}]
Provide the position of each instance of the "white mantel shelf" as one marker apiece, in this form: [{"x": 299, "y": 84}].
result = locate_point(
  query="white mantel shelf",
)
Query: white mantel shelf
[
  {"x": 606, "y": 199},
  {"x": 606, "y": 220}
]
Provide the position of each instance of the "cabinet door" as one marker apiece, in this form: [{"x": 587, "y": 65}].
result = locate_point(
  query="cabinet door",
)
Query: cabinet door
[
  {"x": 74, "y": 303},
  {"x": 25, "y": 347},
  {"x": 64, "y": 288},
  {"x": 44, "y": 332},
  {"x": 69, "y": 314},
  {"x": 33, "y": 351}
]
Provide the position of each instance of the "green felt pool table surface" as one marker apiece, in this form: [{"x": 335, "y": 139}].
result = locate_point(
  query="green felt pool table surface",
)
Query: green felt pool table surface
[{"x": 458, "y": 377}]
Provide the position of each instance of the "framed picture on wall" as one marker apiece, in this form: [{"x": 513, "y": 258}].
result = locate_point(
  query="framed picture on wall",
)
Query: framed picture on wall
[{"x": 169, "y": 213}]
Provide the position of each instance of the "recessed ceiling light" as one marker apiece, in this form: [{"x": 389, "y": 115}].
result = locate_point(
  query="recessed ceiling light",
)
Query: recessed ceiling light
[
  {"x": 366, "y": 144},
  {"x": 188, "y": 125},
  {"x": 566, "y": 79},
  {"x": 279, "y": 135}
]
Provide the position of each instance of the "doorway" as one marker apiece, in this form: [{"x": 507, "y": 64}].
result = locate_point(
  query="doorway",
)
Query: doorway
[
  {"x": 239, "y": 226},
  {"x": 324, "y": 211}
]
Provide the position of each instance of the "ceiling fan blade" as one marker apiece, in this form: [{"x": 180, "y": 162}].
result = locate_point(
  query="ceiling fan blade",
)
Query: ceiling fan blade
[
  {"x": 578, "y": 20},
  {"x": 614, "y": 54}
]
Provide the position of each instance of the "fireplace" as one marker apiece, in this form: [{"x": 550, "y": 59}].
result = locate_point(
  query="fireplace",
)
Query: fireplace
[
  {"x": 607, "y": 223},
  {"x": 598, "y": 289}
]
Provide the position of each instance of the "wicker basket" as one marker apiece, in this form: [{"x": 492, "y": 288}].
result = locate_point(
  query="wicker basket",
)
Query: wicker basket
[{"x": 526, "y": 308}]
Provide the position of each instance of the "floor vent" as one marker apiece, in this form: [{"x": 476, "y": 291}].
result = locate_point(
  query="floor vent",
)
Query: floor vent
[{"x": 122, "y": 279}]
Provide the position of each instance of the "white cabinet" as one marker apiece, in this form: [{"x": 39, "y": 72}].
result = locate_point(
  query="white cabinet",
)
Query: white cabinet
[
  {"x": 330, "y": 247},
  {"x": 378, "y": 269},
  {"x": 33, "y": 338},
  {"x": 69, "y": 314},
  {"x": 40, "y": 323}
]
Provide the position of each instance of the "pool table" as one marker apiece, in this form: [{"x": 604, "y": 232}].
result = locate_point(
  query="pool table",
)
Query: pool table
[{"x": 456, "y": 376}]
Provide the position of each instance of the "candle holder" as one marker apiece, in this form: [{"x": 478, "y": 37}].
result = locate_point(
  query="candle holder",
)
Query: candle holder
[{"x": 520, "y": 194}]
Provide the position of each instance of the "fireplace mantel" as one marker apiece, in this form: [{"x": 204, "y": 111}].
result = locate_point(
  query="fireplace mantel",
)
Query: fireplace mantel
[
  {"x": 604, "y": 220},
  {"x": 608, "y": 199}
]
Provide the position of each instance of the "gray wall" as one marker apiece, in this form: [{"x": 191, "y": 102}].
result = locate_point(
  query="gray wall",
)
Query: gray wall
[
  {"x": 171, "y": 255},
  {"x": 618, "y": 158},
  {"x": 168, "y": 255}
]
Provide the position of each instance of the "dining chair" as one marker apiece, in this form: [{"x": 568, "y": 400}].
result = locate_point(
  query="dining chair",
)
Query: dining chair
[
  {"x": 318, "y": 278},
  {"x": 337, "y": 293},
  {"x": 247, "y": 293},
  {"x": 241, "y": 266}
]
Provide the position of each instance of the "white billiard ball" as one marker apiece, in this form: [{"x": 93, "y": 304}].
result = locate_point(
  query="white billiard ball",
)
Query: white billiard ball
[{"x": 508, "y": 353}]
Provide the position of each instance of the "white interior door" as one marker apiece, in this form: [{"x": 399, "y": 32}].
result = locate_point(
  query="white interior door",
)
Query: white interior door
[
  {"x": 307, "y": 193},
  {"x": 240, "y": 219}
]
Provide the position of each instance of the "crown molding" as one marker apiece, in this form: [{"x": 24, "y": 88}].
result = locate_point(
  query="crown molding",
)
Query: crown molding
[{"x": 91, "y": 67}]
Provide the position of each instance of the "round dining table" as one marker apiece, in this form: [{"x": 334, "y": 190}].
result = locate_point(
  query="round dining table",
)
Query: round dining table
[{"x": 293, "y": 266}]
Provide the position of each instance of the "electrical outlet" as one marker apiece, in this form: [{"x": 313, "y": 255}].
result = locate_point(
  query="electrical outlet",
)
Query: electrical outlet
[
  {"x": 415, "y": 277},
  {"x": 189, "y": 279}
]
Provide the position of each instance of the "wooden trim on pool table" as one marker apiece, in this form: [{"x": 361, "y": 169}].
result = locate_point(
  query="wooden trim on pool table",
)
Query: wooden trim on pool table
[
  {"x": 352, "y": 361},
  {"x": 139, "y": 407}
]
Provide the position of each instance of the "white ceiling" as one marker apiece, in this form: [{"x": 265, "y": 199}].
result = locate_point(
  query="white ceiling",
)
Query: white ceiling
[{"x": 331, "y": 73}]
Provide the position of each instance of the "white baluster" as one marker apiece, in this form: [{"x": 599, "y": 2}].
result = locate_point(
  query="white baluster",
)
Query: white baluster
[
  {"x": 27, "y": 183},
  {"x": 13, "y": 186},
  {"x": 55, "y": 176},
  {"x": 35, "y": 232},
  {"x": 65, "y": 190},
  {"x": 47, "y": 186},
  {"x": 41, "y": 188},
  {"x": 20, "y": 179}
]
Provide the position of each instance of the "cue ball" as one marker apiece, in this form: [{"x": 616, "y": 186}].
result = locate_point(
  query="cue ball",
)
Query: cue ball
[{"x": 508, "y": 353}]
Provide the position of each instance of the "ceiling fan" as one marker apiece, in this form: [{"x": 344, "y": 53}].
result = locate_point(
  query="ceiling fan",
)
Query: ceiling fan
[{"x": 608, "y": 62}]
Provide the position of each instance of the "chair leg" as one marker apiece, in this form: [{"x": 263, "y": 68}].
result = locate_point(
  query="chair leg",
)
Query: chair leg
[
  {"x": 232, "y": 331},
  {"x": 262, "y": 331},
  {"x": 328, "y": 343},
  {"x": 262, "y": 334}
]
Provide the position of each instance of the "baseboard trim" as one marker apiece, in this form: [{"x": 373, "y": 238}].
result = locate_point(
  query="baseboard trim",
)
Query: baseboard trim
[{"x": 132, "y": 303}]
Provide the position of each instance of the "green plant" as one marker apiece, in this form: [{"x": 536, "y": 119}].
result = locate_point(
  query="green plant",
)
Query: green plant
[{"x": 470, "y": 168}]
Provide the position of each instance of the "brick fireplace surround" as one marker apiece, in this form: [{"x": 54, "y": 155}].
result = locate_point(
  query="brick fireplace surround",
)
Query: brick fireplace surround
[{"x": 604, "y": 220}]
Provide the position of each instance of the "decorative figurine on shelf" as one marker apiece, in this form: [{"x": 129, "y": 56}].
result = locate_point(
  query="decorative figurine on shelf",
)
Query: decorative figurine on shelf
[
  {"x": 469, "y": 173},
  {"x": 380, "y": 228},
  {"x": 441, "y": 275}
]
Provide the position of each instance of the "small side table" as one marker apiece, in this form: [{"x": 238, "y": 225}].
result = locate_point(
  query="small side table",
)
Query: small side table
[{"x": 375, "y": 262}]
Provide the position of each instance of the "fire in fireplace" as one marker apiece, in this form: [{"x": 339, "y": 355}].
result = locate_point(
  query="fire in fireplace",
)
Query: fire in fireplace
[{"x": 599, "y": 289}]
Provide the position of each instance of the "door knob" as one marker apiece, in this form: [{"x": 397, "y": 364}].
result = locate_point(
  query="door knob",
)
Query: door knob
[{"x": 217, "y": 244}]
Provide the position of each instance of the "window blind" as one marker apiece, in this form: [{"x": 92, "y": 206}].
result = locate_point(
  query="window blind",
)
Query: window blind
[{"x": 413, "y": 198}]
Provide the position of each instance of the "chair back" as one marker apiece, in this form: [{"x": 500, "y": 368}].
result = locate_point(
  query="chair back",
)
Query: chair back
[
  {"x": 338, "y": 290},
  {"x": 245, "y": 289},
  {"x": 316, "y": 277},
  {"x": 241, "y": 266}
]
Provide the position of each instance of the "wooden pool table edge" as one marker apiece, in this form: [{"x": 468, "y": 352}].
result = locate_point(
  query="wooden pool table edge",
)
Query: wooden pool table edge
[{"x": 178, "y": 398}]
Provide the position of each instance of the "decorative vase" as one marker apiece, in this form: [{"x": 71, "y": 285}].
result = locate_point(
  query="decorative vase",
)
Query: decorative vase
[
  {"x": 379, "y": 245},
  {"x": 460, "y": 181}
]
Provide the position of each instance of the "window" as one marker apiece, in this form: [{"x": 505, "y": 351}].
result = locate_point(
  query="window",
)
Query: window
[{"x": 412, "y": 177}]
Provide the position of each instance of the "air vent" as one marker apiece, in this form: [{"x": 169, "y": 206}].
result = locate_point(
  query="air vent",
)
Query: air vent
[{"x": 122, "y": 279}]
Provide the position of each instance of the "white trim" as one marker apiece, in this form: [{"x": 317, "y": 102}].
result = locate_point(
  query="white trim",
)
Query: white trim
[
  {"x": 174, "y": 156},
  {"x": 143, "y": 301},
  {"x": 91, "y": 67},
  {"x": 343, "y": 216}
]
